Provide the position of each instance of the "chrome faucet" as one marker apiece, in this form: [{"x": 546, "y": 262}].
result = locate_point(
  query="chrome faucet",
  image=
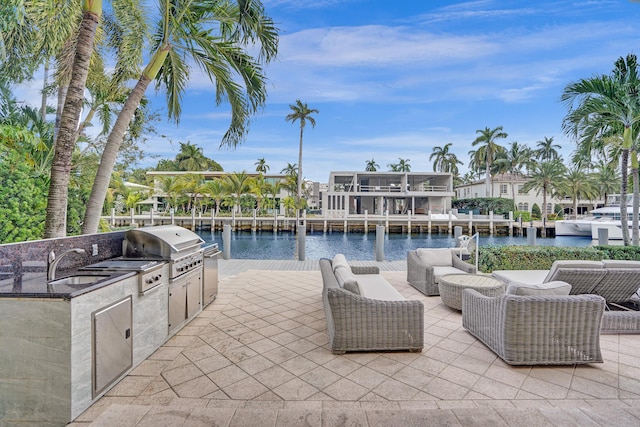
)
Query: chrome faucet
[{"x": 53, "y": 261}]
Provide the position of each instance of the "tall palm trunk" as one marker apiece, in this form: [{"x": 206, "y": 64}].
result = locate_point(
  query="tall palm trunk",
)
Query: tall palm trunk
[
  {"x": 635, "y": 233},
  {"x": 624, "y": 217},
  {"x": 43, "y": 100},
  {"x": 56, "y": 213},
  {"x": 108, "y": 160},
  {"x": 487, "y": 180},
  {"x": 543, "y": 232},
  {"x": 300, "y": 170}
]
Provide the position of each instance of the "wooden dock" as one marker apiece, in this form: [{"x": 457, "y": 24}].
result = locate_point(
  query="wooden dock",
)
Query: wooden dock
[{"x": 404, "y": 224}]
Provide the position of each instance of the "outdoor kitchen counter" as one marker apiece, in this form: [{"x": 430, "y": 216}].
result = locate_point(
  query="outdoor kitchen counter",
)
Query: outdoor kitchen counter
[
  {"x": 34, "y": 284},
  {"x": 47, "y": 341}
]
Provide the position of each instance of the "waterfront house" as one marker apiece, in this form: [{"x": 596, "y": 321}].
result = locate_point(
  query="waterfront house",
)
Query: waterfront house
[
  {"x": 510, "y": 186},
  {"x": 357, "y": 192}
]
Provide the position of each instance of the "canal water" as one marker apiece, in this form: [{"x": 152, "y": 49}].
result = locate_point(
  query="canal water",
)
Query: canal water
[{"x": 355, "y": 246}]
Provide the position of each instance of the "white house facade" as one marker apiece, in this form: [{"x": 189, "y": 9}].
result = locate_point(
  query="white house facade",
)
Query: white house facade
[
  {"x": 357, "y": 193},
  {"x": 511, "y": 187}
]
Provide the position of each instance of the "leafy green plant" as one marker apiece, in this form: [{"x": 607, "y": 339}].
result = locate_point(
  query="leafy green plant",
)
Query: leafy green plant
[
  {"x": 542, "y": 257},
  {"x": 499, "y": 206},
  {"x": 536, "y": 213}
]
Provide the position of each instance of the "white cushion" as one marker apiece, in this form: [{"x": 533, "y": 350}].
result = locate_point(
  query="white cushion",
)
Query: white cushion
[
  {"x": 438, "y": 272},
  {"x": 551, "y": 288},
  {"x": 339, "y": 260},
  {"x": 375, "y": 286},
  {"x": 436, "y": 257},
  {"x": 521, "y": 276},
  {"x": 346, "y": 279},
  {"x": 618, "y": 263},
  {"x": 570, "y": 264}
]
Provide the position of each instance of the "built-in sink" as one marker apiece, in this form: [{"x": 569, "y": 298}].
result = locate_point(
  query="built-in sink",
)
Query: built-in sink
[
  {"x": 78, "y": 282},
  {"x": 80, "y": 279}
]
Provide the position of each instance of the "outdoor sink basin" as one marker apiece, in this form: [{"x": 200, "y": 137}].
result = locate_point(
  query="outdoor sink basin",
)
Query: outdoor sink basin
[{"x": 80, "y": 279}]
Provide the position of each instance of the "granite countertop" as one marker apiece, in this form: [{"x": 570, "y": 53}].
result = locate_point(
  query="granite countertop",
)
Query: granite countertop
[{"x": 33, "y": 284}]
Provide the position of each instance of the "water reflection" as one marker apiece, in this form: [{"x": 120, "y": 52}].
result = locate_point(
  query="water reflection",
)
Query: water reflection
[{"x": 265, "y": 245}]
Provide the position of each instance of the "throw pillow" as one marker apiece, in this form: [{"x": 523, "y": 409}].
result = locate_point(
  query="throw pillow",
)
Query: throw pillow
[
  {"x": 437, "y": 257},
  {"x": 551, "y": 288},
  {"x": 338, "y": 261},
  {"x": 346, "y": 279}
]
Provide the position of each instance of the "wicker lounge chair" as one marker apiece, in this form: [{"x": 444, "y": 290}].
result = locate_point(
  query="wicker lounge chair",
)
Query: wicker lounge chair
[
  {"x": 357, "y": 323},
  {"x": 424, "y": 275},
  {"x": 536, "y": 330},
  {"x": 620, "y": 283},
  {"x": 583, "y": 276}
]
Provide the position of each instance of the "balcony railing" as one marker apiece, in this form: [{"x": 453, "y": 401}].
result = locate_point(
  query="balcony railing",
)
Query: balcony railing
[{"x": 390, "y": 188}]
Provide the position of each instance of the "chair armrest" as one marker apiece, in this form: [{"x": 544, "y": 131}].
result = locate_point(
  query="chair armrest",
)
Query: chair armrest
[
  {"x": 365, "y": 269},
  {"x": 463, "y": 265},
  {"x": 483, "y": 316}
]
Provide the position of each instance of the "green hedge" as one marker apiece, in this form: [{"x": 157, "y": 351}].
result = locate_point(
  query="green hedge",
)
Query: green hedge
[
  {"x": 541, "y": 257},
  {"x": 485, "y": 205}
]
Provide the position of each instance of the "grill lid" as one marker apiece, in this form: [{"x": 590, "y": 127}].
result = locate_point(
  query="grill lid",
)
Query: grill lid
[{"x": 164, "y": 241}]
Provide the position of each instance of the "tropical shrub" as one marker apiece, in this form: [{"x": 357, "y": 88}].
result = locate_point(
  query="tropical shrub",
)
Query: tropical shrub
[
  {"x": 542, "y": 257},
  {"x": 23, "y": 199},
  {"x": 536, "y": 213},
  {"x": 498, "y": 205},
  {"x": 526, "y": 216}
]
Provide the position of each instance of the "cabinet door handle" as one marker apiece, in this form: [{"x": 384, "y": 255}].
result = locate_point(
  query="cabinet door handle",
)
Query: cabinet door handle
[{"x": 127, "y": 333}]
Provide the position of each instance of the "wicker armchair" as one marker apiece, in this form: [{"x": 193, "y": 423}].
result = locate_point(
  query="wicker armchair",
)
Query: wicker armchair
[
  {"x": 356, "y": 323},
  {"x": 424, "y": 276},
  {"x": 536, "y": 330}
]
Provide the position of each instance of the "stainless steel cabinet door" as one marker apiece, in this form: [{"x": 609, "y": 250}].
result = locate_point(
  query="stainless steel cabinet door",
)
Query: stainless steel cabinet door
[{"x": 112, "y": 343}]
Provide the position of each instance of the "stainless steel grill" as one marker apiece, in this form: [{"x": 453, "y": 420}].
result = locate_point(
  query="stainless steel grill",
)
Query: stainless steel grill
[
  {"x": 180, "y": 247},
  {"x": 146, "y": 250}
]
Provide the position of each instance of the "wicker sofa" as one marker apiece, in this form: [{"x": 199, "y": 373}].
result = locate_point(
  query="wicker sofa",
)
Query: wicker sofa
[
  {"x": 536, "y": 330},
  {"x": 426, "y": 266},
  {"x": 360, "y": 323}
]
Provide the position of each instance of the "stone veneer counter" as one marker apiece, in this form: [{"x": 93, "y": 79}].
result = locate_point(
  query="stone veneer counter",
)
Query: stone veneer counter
[{"x": 46, "y": 335}]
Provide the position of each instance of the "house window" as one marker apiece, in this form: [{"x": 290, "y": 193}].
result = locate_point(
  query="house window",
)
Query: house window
[
  {"x": 525, "y": 207},
  {"x": 520, "y": 206},
  {"x": 503, "y": 188},
  {"x": 549, "y": 208}
]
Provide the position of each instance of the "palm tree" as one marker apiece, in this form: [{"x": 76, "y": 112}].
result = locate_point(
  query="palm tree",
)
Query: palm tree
[
  {"x": 487, "y": 150},
  {"x": 547, "y": 150},
  {"x": 512, "y": 160},
  {"x": 372, "y": 166},
  {"x": 191, "y": 158},
  {"x": 260, "y": 188},
  {"x": 546, "y": 177},
  {"x": 607, "y": 104},
  {"x": 262, "y": 166},
  {"x": 302, "y": 113},
  {"x": 579, "y": 185},
  {"x": 402, "y": 166},
  {"x": 445, "y": 161},
  {"x": 215, "y": 190},
  {"x": 607, "y": 177},
  {"x": 236, "y": 184},
  {"x": 56, "y": 212},
  {"x": 185, "y": 30}
]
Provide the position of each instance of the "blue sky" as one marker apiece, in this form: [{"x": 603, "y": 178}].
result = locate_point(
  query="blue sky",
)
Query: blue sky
[{"x": 395, "y": 79}]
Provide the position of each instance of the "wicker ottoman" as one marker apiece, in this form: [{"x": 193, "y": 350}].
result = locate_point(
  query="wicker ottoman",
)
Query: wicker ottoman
[{"x": 451, "y": 286}]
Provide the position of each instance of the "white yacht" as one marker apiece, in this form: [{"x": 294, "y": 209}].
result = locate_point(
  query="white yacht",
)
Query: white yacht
[
  {"x": 609, "y": 218},
  {"x": 605, "y": 217}
]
